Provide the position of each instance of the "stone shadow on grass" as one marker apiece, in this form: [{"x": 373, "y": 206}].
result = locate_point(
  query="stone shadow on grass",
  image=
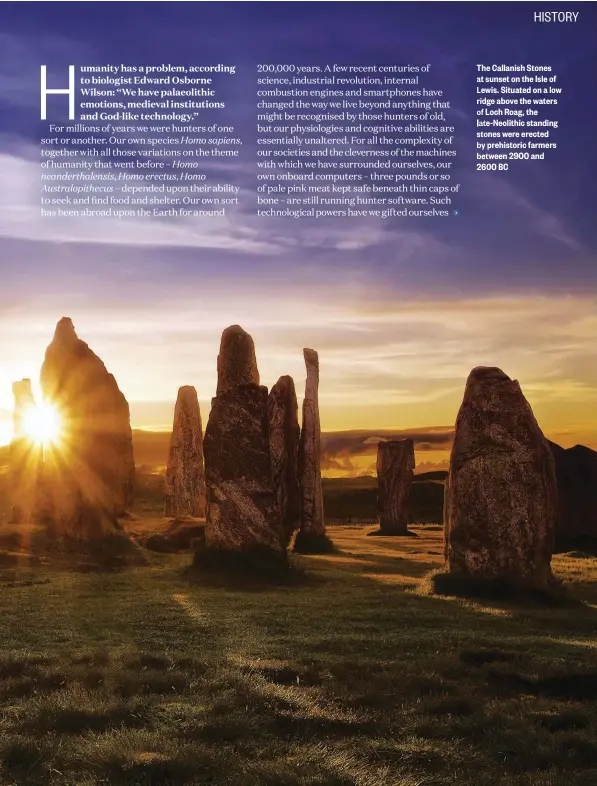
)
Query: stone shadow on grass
[
  {"x": 262, "y": 682},
  {"x": 400, "y": 565},
  {"x": 459, "y": 585},
  {"x": 377, "y": 533},
  {"x": 180, "y": 534},
  {"x": 573, "y": 685},
  {"x": 40, "y": 545},
  {"x": 252, "y": 569},
  {"x": 309, "y": 543}
]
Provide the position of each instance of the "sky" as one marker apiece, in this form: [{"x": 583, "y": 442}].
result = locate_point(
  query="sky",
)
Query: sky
[{"x": 400, "y": 310}]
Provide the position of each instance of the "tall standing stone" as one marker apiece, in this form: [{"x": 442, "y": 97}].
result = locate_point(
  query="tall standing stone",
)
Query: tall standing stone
[
  {"x": 395, "y": 470},
  {"x": 312, "y": 528},
  {"x": 89, "y": 474},
  {"x": 185, "y": 472},
  {"x": 501, "y": 496},
  {"x": 284, "y": 434},
  {"x": 24, "y": 456},
  {"x": 242, "y": 514}
]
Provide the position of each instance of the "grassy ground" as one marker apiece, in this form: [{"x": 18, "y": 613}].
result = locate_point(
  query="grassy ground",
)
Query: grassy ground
[{"x": 347, "y": 677}]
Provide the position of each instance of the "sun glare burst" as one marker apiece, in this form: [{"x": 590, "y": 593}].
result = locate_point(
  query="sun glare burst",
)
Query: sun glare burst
[{"x": 42, "y": 424}]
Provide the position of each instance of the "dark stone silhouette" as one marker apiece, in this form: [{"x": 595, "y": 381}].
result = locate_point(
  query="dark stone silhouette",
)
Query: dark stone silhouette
[
  {"x": 24, "y": 457},
  {"x": 185, "y": 472},
  {"x": 576, "y": 473},
  {"x": 501, "y": 495},
  {"x": 242, "y": 513},
  {"x": 237, "y": 364},
  {"x": 89, "y": 474},
  {"x": 395, "y": 470},
  {"x": 284, "y": 434},
  {"x": 312, "y": 535}
]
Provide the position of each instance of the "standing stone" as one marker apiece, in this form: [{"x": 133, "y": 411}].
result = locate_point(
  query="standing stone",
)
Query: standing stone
[
  {"x": 24, "y": 456},
  {"x": 237, "y": 364},
  {"x": 185, "y": 473},
  {"x": 312, "y": 527},
  {"x": 501, "y": 495},
  {"x": 284, "y": 434},
  {"x": 242, "y": 514},
  {"x": 395, "y": 470},
  {"x": 90, "y": 472},
  {"x": 23, "y": 401}
]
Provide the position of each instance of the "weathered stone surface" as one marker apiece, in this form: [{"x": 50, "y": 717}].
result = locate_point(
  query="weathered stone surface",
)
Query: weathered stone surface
[
  {"x": 237, "y": 364},
  {"x": 23, "y": 401},
  {"x": 395, "y": 470},
  {"x": 284, "y": 434},
  {"x": 501, "y": 495},
  {"x": 185, "y": 472},
  {"x": 24, "y": 457},
  {"x": 312, "y": 520},
  {"x": 90, "y": 472},
  {"x": 242, "y": 513},
  {"x": 576, "y": 474}
]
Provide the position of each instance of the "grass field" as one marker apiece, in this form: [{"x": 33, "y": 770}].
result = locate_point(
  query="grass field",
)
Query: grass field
[{"x": 346, "y": 676}]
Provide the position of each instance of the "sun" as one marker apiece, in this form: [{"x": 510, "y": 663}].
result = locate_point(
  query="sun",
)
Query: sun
[{"x": 41, "y": 423}]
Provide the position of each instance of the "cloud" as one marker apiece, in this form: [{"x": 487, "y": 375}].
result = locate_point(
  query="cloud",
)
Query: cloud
[
  {"x": 385, "y": 367},
  {"x": 20, "y": 217},
  {"x": 239, "y": 230},
  {"x": 432, "y": 466},
  {"x": 360, "y": 442},
  {"x": 20, "y": 61},
  {"x": 502, "y": 191},
  {"x": 348, "y": 453},
  {"x": 407, "y": 246},
  {"x": 341, "y": 450}
]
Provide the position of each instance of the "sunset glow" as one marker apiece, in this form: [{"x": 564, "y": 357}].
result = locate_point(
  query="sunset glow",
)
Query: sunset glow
[
  {"x": 42, "y": 424},
  {"x": 383, "y": 365}
]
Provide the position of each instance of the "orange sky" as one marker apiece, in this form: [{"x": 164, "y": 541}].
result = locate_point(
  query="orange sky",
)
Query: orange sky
[{"x": 382, "y": 366}]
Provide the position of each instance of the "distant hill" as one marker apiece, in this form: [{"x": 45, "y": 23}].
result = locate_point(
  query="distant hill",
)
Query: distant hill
[
  {"x": 345, "y": 499},
  {"x": 438, "y": 474},
  {"x": 576, "y": 472},
  {"x": 351, "y": 500},
  {"x": 151, "y": 448},
  {"x": 354, "y": 499},
  {"x": 151, "y": 451}
]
